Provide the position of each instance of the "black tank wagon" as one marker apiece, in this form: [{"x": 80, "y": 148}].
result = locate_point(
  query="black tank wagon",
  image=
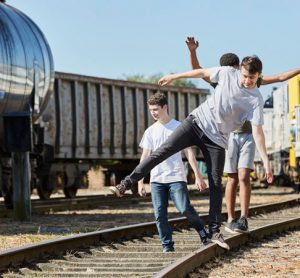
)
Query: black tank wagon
[{"x": 26, "y": 76}]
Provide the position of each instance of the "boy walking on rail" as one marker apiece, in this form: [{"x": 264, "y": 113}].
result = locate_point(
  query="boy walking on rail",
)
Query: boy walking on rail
[
  {"x": 236, "y": 99},
  {"x": 241, "y": 147},
  {"x": 168, "y": 178}
]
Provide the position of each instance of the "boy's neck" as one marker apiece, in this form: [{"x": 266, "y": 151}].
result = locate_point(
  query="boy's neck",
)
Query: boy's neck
[{"x": 164, "y": 120}]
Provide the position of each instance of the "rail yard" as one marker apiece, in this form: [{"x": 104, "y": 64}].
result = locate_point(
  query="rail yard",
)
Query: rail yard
[
  {"x": 60, "y": 133},
  {"x": 57, "y": 225}
]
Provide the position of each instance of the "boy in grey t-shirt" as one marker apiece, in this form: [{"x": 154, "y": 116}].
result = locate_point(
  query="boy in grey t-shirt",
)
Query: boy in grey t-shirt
[
  {"x": 235, "y": 100},
  {"x": 239, "y": 160},
  {"x": 229, "y": 107}
]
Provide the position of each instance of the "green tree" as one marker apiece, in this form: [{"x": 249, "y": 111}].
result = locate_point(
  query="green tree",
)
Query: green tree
[{"x": 155, "y": 77}]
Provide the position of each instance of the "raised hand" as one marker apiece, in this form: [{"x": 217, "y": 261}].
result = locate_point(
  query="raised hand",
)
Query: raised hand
[{"x": 191, "y": 43}]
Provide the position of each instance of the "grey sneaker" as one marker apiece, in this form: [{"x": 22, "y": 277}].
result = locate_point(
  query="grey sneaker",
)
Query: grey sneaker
[
  {"x": 119, "y": 189},
  {"x": 231, "y": 226},
  {"x": 242, "y": 225},
  {"x": 218, "y": 239},
  {"x": 168, "y": 249}
]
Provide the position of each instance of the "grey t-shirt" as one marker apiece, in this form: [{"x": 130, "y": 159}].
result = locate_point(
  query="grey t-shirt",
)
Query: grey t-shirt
[{"x": 228, "y": 107}]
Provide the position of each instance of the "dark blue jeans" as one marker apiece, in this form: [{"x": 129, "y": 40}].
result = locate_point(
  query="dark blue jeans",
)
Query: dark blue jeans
[
  {"x": 160, "y": 199},
  {"x": 186, "y": 135}
]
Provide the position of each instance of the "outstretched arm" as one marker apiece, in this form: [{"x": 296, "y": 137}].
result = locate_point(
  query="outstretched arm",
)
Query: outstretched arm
[
  {"x": 280, "y": 77},
  {"x": 259, "y": 138},
  {"x": 200, "y": 73},
  {"x": 200, "y": 183},
  {"x": 192, "y": 45}
]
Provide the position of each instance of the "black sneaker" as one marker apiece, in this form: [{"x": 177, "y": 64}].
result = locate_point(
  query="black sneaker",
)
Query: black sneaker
[
  {"x": 204, "y": 237},
  {"x": 119, "y": 189},
  {"x": 218, "y": 239},
  {"x": 242, "y": 225},
  {"x": 168, "y": 249},
  {"x": 231, "y": 226}
]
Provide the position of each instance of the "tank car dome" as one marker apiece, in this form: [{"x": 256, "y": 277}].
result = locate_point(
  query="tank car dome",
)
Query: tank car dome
[{"x": 26, "y": 63}]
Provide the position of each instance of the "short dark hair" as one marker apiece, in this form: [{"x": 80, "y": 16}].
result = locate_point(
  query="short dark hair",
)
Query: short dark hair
[
  {"x": 252, "y": 64},
  {"x": 229, "y": 59},
  {"x": 158, "y": 99}
]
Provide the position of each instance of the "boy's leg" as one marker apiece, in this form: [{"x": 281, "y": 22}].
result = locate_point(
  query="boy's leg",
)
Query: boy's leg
[
  {"x": 160, "y": 196},
  {"x": 245, "y": 165},
  {"x": 230, "y": 195},
  {"x": 180, "y": 196},
  {"x": 245, "y": 193},
  {"x": 215, "y": 163},
  {"x": 184, "y": 136},
  {"x": 215, "y": 158},
  {"x": 245, "y": 190},
  {"x": 231, "y": 168}
]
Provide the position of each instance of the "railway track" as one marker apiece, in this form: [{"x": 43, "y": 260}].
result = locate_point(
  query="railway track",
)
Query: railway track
[
  {"x": 81, "y": 202},
  {"x": 88, "y": 202},
  {"x": 135, "y": 251}
]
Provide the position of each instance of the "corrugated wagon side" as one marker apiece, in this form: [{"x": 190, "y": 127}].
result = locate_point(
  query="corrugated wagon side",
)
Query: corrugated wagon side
[{"x": 91, "y": 120}]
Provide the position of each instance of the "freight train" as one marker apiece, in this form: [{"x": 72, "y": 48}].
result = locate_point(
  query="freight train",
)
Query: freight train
[
  {"x": 77, "y": 121},
  {"x": 92, "y": 121},
  {"x": 282, "y": 133}
]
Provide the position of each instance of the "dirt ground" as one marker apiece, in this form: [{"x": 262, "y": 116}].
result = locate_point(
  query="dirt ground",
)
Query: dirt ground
[
  {"x": 275, "y": 257},
  {"x": 53, "y": 225}
]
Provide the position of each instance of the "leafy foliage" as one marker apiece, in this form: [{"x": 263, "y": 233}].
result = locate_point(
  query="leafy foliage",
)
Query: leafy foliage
[{"x": 155, "y": 77}]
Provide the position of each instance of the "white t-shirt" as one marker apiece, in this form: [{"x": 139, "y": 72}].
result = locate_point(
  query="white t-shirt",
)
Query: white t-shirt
[
  {"x": 228, "y": 107},
  {"x": 171, "y": 169}
]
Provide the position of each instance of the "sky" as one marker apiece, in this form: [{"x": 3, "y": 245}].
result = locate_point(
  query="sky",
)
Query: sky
[{"x": 117, "y": 38}]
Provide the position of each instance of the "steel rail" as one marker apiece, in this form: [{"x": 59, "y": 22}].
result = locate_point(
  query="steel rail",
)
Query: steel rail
[
  {"x": 85, "y": 202},
  {"x": 187, "y": 264},
  {"x": 31, "y": 252},
  {"x": 82, "y": 202}
]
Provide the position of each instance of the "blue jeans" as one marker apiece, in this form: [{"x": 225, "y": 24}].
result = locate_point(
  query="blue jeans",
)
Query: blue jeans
[
  {"x": 186, "y": 135},
  {"x": 178, "y": 192}
]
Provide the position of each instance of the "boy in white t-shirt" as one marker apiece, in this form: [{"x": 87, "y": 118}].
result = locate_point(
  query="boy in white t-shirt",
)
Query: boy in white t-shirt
[
  {"x": 168, "y": 178},
  {"x": 235, "y": 100}
]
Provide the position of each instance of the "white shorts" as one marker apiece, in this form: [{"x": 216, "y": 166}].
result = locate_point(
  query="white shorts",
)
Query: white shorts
[{"x": 240, "y": 153}]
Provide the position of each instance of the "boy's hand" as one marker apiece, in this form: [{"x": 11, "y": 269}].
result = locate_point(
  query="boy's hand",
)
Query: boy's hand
[
  {"x": 268, "y": 172},
  {"x": 191, "y": 43},
  {"x": 165, "y": 80},
  {"x": 201, "y": 184},
  {"x": 142, "y": 189}
]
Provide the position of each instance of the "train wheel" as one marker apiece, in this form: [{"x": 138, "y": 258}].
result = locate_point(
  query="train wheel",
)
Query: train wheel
[
  {"x": 43, "y": 188},
  {"x": 8, "y": 199},
  {"x": 280, "y": 181},
  {"x": 7, "y": 191},
  {"x": 113, "y": 181},
  {"x": 70, "y": 192},
  {"x": 43, "y": 193}
]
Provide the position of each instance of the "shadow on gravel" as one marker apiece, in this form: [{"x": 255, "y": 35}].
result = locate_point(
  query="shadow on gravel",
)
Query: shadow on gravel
[{"x": 73, "y": 223}]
